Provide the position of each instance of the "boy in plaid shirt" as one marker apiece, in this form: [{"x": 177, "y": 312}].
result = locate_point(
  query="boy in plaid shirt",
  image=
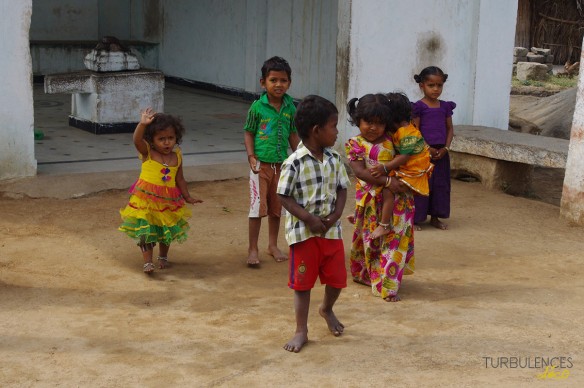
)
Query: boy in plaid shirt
[{"x": 313, "y": 189}]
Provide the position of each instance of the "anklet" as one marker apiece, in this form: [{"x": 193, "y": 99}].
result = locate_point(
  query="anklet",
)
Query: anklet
[{"x": 385, "y": 226}]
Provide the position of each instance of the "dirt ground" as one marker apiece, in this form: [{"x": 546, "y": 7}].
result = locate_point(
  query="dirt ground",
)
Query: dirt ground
[{"x": 505, "y": 282}]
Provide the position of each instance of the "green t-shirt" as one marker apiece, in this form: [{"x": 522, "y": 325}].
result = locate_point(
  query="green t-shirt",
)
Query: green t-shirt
[{"x": 271, "y": 129}]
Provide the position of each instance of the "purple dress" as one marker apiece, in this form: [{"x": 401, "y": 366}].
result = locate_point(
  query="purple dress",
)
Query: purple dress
[{"x": 434, "y": 131}]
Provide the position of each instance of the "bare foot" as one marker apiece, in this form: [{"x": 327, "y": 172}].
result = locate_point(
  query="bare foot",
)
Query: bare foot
[
  {"x": 277, "y": 254},
  {"x": 334, "y": 325},
  {"x": 435, "y": 222},
  {"x": 417, "y": 227},
  {"x": 253, "y": 259},
  {"x": 351, "y": 219},
  {"x": 297, "y": 342},
  {"x": 392, "y": 298},
  {"x": 380, "y": 231}
]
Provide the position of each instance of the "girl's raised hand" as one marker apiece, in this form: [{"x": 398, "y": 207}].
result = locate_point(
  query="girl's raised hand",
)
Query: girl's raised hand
[{"x": 146, "y": 116}]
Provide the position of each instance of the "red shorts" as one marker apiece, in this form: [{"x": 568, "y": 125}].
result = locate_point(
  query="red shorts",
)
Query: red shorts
[{"x": 317, "y": 257}]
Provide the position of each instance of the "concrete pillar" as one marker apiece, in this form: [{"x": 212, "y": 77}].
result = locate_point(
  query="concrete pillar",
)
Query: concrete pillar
[
  {"x": 16, "y": 101},
  {"x": 572, "y": 205}
]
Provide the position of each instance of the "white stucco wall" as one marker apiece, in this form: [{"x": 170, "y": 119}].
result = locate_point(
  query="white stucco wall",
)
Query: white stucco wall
[
  {"x": 471, "y": 40},
  {"x": 225, "y": 42},
  {"x": 16, "y": 103}
]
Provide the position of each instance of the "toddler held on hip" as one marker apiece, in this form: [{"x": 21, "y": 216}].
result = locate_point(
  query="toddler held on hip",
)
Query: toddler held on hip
[{"x": 411, "y": 165}]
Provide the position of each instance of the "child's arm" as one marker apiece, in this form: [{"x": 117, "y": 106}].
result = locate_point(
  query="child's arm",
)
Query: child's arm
[
  {"x": 252, "y": 159},
  {"x": 294, "y": 139},
  {"x": 383, "y": 169},
  {"x": 363, "y": 173},
  {"x": 146, "y": 117},
  {"x": 416, "y": 122},
  {"x": 181, "y": 183},
  {"x": 439, "y": 154},
  {"x": 314, "y": 223}
]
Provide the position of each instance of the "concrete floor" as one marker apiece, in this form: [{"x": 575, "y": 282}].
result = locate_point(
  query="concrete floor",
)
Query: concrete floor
[
  {"x": 83, "y": 163},
  {"x": 214, "y": 134}
]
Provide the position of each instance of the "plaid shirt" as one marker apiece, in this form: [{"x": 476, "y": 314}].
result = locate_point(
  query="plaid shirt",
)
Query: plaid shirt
[{"x": 313, "y": 184}]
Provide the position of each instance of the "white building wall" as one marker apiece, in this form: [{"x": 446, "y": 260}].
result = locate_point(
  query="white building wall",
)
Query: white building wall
[
  {"x": 225, "y": 42},
  {"x": 391, "y": 40},
  {"x": 16, "y": 103}
]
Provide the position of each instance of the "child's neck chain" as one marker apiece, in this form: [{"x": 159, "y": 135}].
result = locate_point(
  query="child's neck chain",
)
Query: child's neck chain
[{"x": 164, "y": 162}]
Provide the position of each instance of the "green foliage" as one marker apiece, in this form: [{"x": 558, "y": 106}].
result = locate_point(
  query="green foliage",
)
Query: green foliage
[{"x": 553, "y": 83}]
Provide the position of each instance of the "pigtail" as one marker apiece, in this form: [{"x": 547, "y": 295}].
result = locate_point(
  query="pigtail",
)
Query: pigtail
[
  {"x": 351, "y": 109},
  {"x": 417, "y": 78},
  {"x": 445, "y": 77}
]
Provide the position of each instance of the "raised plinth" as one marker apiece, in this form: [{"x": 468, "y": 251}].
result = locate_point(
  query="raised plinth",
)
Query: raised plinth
[
  {"x": 501, "y": 159},
  {"x": 109, "y": 102}
]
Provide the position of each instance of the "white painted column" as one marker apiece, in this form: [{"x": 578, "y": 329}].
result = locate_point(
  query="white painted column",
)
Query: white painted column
[
  {"x": 16, "y": 101},
  {"x": 572, "y": 204}
]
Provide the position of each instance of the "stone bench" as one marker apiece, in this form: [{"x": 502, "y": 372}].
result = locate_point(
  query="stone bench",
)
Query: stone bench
[{"x": 502, "y": 159}]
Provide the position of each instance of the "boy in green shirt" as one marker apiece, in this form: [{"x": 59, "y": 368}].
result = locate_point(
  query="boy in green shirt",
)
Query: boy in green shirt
[{"x": 269, "y": 129}]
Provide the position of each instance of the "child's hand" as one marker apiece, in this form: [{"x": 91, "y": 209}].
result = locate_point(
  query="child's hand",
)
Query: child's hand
[
  {"x": 147, "y": 116},
  {"x": 192, "y": 200},
  {"x": 328, "y": 221},
  {"x": 254, "y": 164},
  {"x": 378, "y": 170},
  {"x": 316, "y": 225}
]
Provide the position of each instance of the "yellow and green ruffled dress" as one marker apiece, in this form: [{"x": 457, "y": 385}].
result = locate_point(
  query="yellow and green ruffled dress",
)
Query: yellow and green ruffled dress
[{"x": 156, "y": 211}]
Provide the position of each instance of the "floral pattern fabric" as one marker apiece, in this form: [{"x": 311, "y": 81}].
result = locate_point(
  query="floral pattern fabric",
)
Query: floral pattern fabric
[{"x": 380, "y": 263}]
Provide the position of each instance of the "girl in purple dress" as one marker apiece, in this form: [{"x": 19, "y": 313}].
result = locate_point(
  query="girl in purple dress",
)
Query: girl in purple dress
[{"x": 433, "y": 117}]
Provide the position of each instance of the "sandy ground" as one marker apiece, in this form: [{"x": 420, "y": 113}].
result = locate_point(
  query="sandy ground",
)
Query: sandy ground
[{"x": 506, "y": 281}]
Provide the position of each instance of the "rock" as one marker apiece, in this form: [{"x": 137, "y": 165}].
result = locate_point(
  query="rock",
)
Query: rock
[
  {"x": 520, "y": 51},
  {"x": 553, "y": 114},
  {"x": 532, "y": 71},
  {"x": 531, "y": 57}
]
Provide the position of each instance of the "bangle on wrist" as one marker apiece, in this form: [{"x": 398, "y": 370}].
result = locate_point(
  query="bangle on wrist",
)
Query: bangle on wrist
[
  {"x": 388, "y": 181},
  {"x": 447, "y": 149},
  {"x": 385, "y": 169}
]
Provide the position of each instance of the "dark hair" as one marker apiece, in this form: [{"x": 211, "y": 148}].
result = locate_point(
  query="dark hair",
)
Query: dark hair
[
  {"x": 401, "y": 107},
  {"x": 161, "y": 122},
  {"x": 430, "y": 70},
  {"x": 313, "y": 110},
  {"x": 370, "y": 107},
  {"x": 276, "y": 64}
]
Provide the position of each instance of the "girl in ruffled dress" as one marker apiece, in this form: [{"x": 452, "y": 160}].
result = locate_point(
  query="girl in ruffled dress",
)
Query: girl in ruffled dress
[
  {"x": 156, "y": 211},
  {"x": 433, "y": 117}
]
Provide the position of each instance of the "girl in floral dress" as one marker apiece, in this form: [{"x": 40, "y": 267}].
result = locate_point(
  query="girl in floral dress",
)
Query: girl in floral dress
[{"x": 379, "y": 263}]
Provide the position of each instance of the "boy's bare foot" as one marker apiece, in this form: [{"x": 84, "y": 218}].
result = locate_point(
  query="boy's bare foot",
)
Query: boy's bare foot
[
  {"x": 297, "y": 342},
  {"x": 334, "y": 325},
  {"x": 380, "y": 231},
  {"x": 435, "y": 222},
  {"x": 277, "y": 254},
  {"x": 252, "y": 259},
  {"x": 392, "y": 298},
  {"x": 417, "y": 227},
  {"x": 351, "y": 219}
]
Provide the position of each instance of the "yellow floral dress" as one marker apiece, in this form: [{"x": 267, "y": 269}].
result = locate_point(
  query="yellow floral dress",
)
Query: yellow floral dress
[
  {"x": 156, "y": 211},
  {"x": 380, "y": 263}
]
